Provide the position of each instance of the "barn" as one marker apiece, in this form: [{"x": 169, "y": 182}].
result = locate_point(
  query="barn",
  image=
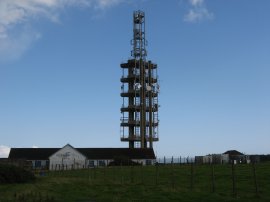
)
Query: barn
[{"x": 68, "y": 157}]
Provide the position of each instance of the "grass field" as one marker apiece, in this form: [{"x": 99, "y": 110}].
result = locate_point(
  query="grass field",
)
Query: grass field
[{"x": 150, "y": 183}]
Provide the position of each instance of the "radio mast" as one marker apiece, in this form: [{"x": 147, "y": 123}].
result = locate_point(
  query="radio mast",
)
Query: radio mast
[{"x": 140, "y": 89}]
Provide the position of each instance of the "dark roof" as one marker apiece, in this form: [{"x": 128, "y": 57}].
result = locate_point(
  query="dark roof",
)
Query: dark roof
[
  {"x": 90, "y": 153},
  {"x": 110, "y": 153},
  {"x": 233, "y": 153},
  {"x": 31, "y": 153}
]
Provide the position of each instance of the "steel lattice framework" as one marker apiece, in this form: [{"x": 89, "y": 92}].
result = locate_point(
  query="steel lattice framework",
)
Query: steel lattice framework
[{"x": 140, "y": 88}]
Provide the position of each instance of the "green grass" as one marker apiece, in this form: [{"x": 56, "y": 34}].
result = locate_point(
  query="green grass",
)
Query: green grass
[{"x": 162, "y": 183}]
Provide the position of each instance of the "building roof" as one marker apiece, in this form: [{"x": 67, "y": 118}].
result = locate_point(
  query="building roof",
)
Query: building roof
[
  {"x": 111, "y": 153},
  {"x": 31, "y": 153},
  {"x": 90, "y": 153},
  {"x": 233, "y": 153}
]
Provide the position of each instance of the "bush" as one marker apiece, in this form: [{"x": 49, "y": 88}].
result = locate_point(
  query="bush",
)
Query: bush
[{"x": 14, "y": 174}]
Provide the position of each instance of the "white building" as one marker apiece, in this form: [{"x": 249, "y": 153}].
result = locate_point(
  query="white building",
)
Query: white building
[
  {"x": 213, "y": 158},
  {"x": 69, "y": 157}
]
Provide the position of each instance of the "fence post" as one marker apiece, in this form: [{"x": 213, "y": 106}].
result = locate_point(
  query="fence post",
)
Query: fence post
[
  {"x": 88, "y": 173},
  {"x": 94, "y": 172},
  {"x": 104, "y": 174},
  {"x": 131, "y": 174},
  {"x": 255, "y": 179},
  {"x": 234, "y": 180},
  {"x": 164, "y": 160},
  {"x": 122, "y": 177},
  {"x": 213, "y": 178},
  {"x": 113, "y": 170},
  {"x": 142, "y": 176},
  {"x": 192, "y": 177},
  {"x": 172, "y": 176},
  {"x": 157, "y": 173}
]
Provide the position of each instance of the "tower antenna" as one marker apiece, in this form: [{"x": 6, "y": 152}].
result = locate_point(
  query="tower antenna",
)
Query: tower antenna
[{"x": 140, "y": 88}]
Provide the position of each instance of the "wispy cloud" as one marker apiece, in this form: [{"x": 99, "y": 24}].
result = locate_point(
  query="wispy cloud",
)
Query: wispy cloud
[
  {"x": 4, "y": 151},
  {"x": 198, "y": 12},
  {"x": 196, "y": 2},
  {"x": 13, "y": 45},
  {"x": 14, "y": 13},
  {"x": 102, "y": 4}
]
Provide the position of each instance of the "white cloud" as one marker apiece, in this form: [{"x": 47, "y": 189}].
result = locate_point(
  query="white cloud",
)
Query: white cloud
[
  {"x": 12, "y": 46},
  {"x": 4, "y": 151},
  {"x": 14, "y": 13},
  {"x": 34, "y": 146},
  {"x": 107, "y": 3},
  {"x": 196, "y": 2},
  {"x": 198, "y": 12}
]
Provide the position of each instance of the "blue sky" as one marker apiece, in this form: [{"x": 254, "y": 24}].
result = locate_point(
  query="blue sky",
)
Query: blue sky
[{"x": 60, "y": 74}]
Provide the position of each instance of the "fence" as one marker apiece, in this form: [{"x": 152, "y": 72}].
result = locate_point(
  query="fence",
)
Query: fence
[{"x": 235, "y": 180}]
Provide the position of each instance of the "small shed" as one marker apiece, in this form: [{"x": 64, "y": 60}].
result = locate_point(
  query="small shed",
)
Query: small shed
[{"x": 237, "y": 157}]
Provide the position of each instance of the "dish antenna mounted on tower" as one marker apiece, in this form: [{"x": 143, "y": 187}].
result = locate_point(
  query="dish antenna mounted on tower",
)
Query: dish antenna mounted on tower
[{"x": 139, "y": 122}]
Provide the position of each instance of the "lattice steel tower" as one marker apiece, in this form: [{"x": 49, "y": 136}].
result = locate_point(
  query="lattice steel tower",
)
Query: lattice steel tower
[{"x": 140, "y": 88}]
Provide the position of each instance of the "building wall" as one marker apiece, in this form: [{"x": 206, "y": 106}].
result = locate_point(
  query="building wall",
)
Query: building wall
[
  {"x": 216, "y": 159},
  {"x": 198, "y": 159},
  {"x": 98, "y": 162},
  {"x": 225, "y": 158},
  {"x": 67, "y": 158},
  {"x": 40, "y": 164},
  {"x": 239, "y": 159},
  {"x": 145, "y": 162}
]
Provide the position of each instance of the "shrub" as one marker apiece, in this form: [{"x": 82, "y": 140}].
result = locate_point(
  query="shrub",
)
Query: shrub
[
  {"x": 124, "y": 161},
  {"x": 14, "y": 174}
]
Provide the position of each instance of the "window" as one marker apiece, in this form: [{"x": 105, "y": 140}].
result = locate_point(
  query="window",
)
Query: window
[
  {"x": 101, "y": 163},
  {"x": 148, "y": 162},
  {"x": 37, "y": 164},
  {"x": 91, "y": 164}
]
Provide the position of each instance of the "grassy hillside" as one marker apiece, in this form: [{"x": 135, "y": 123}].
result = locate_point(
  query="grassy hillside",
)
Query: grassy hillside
[{"x": 153, "y": 183}]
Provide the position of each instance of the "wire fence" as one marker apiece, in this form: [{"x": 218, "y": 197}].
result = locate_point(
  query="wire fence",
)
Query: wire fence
[{"x": 246, "y": 180}]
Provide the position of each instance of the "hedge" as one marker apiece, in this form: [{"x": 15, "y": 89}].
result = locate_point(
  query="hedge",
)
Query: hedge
[{"x": 14, "y": 174}]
